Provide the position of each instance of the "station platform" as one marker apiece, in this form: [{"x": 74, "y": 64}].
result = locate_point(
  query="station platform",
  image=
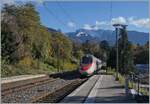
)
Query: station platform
[
  {"x": 20, "y": 77},
  {"x": 99, "y": 89},
  {"x": 14, "y": 81}
]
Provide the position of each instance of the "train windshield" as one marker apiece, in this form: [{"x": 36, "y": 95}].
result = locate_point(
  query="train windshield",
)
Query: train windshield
[{"x": 86, "y": 60}]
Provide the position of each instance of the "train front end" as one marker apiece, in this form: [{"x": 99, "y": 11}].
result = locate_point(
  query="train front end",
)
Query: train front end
[{"x": 86, "y": 66}]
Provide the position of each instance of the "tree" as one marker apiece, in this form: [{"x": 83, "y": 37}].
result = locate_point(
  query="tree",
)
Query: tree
[
  {"x": 141, "y": 54},
  {"x": 11, "y": 37},
  {"x": 22, "y": 34},
  {"x": 111, "y": 61},
  {"x": 126, "y": 63},
  {"x": 104, "y": 45},
  {"x": 77, "y": 50},
  {"x": 61, "y": 48},
  {"x": 90, "y": 47},
  {"x": 106, "y": 49}
]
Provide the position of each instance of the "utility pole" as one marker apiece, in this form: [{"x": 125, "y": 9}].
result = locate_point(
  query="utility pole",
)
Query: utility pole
[
  {"x": 117, "y": 54},
  {"x": 117, "y": 27}
]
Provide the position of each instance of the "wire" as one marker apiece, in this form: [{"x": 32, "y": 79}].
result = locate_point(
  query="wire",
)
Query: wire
[
  {"x": 65, "y": 12},
  {"x": 63, "y": 9},
  {"x": 110, "y": 10},
  {"x": 55, "y": 16}
]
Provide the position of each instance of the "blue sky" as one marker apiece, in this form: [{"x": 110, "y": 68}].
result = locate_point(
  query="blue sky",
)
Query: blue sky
[
  {"x": 70, "y": 15},
  {"x": 94, "y": 14}
]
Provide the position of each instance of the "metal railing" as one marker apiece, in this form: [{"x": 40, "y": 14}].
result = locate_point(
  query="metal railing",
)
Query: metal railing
[{"x": 135, "y": 83}]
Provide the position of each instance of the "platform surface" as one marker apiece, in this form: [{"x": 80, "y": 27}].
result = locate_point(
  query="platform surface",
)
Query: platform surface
[
  {"x": 111, "y": 91},
  {"x": 99, "y": 89},
  {"x": 20, "y": 78}
]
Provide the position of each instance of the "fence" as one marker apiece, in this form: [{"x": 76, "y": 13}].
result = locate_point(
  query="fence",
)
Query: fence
[{"x": 141, "y": 90}]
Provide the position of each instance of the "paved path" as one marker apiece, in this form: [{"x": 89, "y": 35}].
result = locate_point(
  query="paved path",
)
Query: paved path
[
  {"x": 110, "y": 91},
  {"x": 20, "y": 78},
  {"x": 80, "y": 94},
  {"x": 99, "y": 89}
]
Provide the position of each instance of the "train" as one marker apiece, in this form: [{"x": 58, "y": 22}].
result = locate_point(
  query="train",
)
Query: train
[{"x": 89, "y": 65}]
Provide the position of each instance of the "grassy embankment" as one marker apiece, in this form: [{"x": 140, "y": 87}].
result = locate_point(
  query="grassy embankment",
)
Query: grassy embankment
[{"x": 33, "y": 67}]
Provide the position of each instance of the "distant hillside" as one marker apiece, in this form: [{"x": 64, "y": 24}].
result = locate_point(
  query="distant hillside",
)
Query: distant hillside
[
  {"x": 51, "y": 29},
  {"x": 82, "y": 35}
]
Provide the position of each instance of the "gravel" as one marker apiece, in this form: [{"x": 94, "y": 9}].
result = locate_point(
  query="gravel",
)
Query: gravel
[{"x": 30, "y": 94}]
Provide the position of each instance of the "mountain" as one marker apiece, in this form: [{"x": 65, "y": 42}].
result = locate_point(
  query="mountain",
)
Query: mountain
[
  {"x": 82, "y": 35},
  {"x": 51, "y": 29}
]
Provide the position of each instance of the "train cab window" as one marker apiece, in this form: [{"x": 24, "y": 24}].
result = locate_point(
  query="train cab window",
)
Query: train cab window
[{"x": 86, "y": 60}]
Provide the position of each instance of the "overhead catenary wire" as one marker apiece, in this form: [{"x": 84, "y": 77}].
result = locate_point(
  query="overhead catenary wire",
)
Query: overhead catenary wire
[
  {"x": 53, "y": 14},
  {"x": 65, "y": 12},
  {"x": 110, "y": 17}
]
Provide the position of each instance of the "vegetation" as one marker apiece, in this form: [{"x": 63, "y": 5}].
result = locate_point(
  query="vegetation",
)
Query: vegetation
[
  {"x": 27, "y": 46},
  {"x": 30, "y": 48},
  {"x": 141, "y": 54},
  {"x": 126, "y": 64},
  {"x": 129, "y": 54},
  {"x": 131, "y": 85}
]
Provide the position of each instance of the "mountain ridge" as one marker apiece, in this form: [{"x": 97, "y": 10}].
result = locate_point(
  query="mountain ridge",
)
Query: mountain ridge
[{"x": 109, "y": 35}]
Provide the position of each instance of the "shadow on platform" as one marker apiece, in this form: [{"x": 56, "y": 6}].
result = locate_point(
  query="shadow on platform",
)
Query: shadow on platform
[{"x": 113, "y": 99}]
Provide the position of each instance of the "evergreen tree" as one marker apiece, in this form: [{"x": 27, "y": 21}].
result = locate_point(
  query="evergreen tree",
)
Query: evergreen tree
[
  {"x": 126, "y": 63},
  {"x": 111, "y": 61},
  {"x": 141, "y": 54}
]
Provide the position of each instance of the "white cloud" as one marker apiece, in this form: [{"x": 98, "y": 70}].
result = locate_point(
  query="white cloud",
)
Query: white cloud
[
  {"x": 118, "y": 20},
  {"x": 101, "y": 24},
  {"x": 143, "y": 22},
  {"x": 71, "y": 24},
  {"x": 87, "y": 26},
  {"x": 96, "y": 26},
  {"x": 98, "y": 23},
  {"x": 10, "y": 2},
  {"x": 40, "y": 1},
  {"x": 7, "y": 2}
]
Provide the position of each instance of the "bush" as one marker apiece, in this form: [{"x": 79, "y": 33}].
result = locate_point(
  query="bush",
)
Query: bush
[
  {"x": 69, "y": 66},
  {"x": 36, "y": 67}
]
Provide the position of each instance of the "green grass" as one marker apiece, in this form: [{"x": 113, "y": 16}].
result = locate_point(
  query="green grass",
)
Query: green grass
[
  {"x": 69, "y": 66},
  {"x": 110, "y": 71},
  {"x": 28, "y": 66},
  {"x": 141, "y": 90},
  {"x": 121, "y": 79},
  {"x": 144, "y": 91},
  {"x": 10, "y": 70},
  {"x": 36, "y": 67}
]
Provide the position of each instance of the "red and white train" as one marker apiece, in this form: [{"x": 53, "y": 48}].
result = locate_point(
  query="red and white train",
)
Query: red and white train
[{"x": 89, "y": 65}]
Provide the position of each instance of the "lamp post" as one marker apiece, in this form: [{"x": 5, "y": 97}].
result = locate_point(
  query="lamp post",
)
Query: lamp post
[{"x": 117, "y": 27}]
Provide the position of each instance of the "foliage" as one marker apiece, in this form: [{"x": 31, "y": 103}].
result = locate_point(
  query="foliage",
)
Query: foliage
[
  {"x": 126, "y": 64},
  {"x": 22, "y": 34},
  {"x": 77, "y": 50},
  {"x": 27, "y": 46},
  {"x": 141, "y": 54},
  {"x": 36, "y": 67},
  {"x": 100, "y": 50},
  {"x": 111, "y": 61}
]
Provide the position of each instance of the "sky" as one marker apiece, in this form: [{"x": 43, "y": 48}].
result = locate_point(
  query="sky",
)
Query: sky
[{"x": 68, "y": 16}]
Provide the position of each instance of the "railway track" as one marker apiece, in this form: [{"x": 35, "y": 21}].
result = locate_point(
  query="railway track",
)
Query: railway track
[
  {"x": 26, "y": 86},
  {"x": 51, "y": 89},
  {"x": 58, "y": 94},
  {"x": 83, "y": 93}
]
